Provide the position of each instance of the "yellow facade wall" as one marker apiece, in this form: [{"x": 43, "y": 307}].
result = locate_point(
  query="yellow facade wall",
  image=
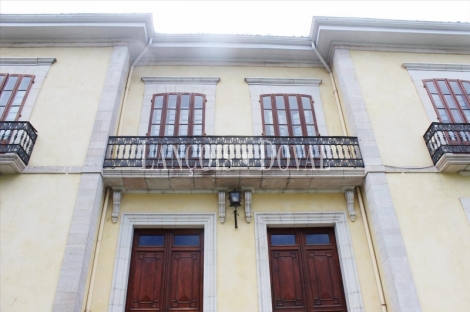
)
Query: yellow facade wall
[
  {"x": 395, "y": 110},
  {"x": 233, "y": 103},
  {"x": 236, "y": 254},
  {"x": 65, "y": 109},
  {"x": 436, "y": 233},
  {"x": 35, "y": 217}
]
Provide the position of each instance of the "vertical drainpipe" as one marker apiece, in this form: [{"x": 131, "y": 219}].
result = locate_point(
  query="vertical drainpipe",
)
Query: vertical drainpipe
[
  {"x": 365, "y": 222},
  {"x": 128, "y": 83},
  {"x": 105, "y": 205}
]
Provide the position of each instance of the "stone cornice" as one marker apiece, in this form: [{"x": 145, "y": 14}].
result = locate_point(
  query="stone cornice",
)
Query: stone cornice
[
  {"x": 181, "y": 80},
  {"x": 434, "y": 66},
  {"x": 284, "y": 81},
  {"x": 27, "y": 61}
]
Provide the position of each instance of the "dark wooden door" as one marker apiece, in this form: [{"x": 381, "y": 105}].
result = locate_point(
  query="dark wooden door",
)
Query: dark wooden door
[
  {"x": 166, "y": 271},
  {"x": 305, "y": 272}
]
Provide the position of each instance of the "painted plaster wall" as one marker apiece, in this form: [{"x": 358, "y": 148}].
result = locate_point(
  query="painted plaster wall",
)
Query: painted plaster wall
[
  {"x": 437, "y": 236},
  {"x": 396, "y": 112},
  {"x": 236, "y": 254},
  {"x": 431, "y": 218},
  {"x": 67, "y": 103},
  {"x": 233, "y": 105},
  {"x": 35, "y": 217}
]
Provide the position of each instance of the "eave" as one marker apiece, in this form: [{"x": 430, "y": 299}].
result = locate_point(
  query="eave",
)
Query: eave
[
  {"x": 86, "y": 29},
  {"x": 420, "y": 36}
]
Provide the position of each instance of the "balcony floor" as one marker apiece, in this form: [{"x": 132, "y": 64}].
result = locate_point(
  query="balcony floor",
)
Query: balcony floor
[{"x": 169, "y": 180}]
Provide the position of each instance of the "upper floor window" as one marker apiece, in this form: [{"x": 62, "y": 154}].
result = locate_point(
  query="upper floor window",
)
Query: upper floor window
[
  {"x": 177, "y": 114},
  {"x": 451, "y": 99},
  {"x": 288, "y": 115},
  {"x": 13, "y": 92}
]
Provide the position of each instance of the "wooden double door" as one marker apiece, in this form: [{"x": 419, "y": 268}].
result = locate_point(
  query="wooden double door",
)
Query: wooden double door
[
  {"x": 305, "y": 272},
  {"x": 166, "y": 271}
]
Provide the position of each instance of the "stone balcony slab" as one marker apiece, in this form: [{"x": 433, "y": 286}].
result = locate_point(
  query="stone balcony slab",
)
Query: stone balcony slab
[{"x": 214, "y": 180}]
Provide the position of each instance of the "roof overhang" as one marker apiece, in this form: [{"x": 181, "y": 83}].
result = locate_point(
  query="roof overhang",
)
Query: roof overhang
[
  {"x": 328, "y": 32},
  {"x": 134, "y": 29},
  {"x": 231, "y": 48}
]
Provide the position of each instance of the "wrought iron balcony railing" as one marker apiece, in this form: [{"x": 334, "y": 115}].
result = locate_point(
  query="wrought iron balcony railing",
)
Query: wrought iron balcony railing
[
  {"x": 17, "y": 137},
  {"x": 211, "y": 152},
  {"x": 444, "y": 138}
]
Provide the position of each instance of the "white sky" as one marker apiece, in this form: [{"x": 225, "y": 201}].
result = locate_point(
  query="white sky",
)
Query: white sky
[{"x": 280, "y": 18}]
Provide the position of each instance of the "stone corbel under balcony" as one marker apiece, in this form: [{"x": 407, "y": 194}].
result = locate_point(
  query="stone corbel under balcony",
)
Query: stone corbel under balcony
[
  {"x": 117, "y": 195},
  {"x": 349, "y": 196},
  {"x": 222, "y": 206}
]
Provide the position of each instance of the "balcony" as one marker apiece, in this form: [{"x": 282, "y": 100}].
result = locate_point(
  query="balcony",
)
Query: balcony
[
  {"x": 211, "y": 163},
  {"x": 449, "y": 146},
  {"x": 17, "y": 140}
]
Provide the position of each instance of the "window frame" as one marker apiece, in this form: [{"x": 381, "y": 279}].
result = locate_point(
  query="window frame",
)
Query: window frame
[
  {"x": 444, "y": 101},
  {"x": 288, "y": 113},
  {"x": 13, "y": 94},
  {"x": 178, "y": 111}
]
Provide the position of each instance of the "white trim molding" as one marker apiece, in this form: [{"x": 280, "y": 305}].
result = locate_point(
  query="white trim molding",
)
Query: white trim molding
[
  {"x": 284, "y": 81},
  {"x": 26, "y": 61},
  {"x": 434, "y": 66},
  {"x": 130, "y": 221},
  {"x": 181, "y": 80},
  {"x": 349, "y": 274}
]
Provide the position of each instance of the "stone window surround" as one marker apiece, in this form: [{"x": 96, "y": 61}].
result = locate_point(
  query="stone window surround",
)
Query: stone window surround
[
  {"x": 307, "y": 219},
  {"x": 204, "y": 85},
  {"x": 308, "y": 86},
  {"x": 130, "y": 221},
  {"x": 421, "y": 71},
  {"x": 465, "y": 201},
  {"x": 39, "y": 67}
]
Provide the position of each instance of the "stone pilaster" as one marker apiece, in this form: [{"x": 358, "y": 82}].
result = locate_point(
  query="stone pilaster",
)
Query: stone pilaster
[
  {"x": 71, "y": 287},
  {"x": 394, "y": 262}
]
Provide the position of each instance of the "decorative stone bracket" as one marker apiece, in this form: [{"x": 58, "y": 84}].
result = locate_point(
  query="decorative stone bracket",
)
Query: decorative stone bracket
[
  {"x": 117, "y": 194},
  {"x": 222, "y": 207},
  {"x": 248, "y": 213},
  {"x": 349, "y": 195}
]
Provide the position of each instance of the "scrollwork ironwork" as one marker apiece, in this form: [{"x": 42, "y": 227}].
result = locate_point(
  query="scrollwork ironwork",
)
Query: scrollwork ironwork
[
  {"x": 17, "y": 137},
  {"x": 444, "y": 138},
  {"x": 209, "y": 152}
]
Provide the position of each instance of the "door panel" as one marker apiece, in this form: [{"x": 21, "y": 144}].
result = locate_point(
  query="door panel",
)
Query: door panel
[
  {"x": 145, "y": 293},
  {"x": 305, "y": 272},
  {"x": 323, "y": 280},
  {"x": 185, "y": 280},
  {"x": 166, "y": 271},
  {"x": 286, "y": 280}
]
